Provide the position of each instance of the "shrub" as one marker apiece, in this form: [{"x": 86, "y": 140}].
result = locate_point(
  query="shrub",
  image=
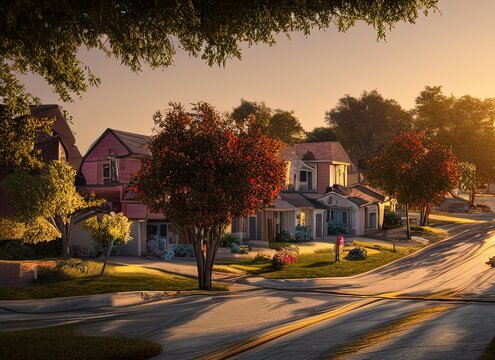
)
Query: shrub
[
  {"x": 183, "y": 250},
  {"x": 17, "y": 250},
  {"x": 239, "y": 249},
  {"x": 357, "y": 253},
  {"x": 64, "y": 270},
  {"x": 77, "y": 265},
  {"x": 284, "y": 236},
  {"x": 284, "y": 257},
  {"x": 337, "y": 229},
  {"x": 228, "y": 239},
  {"x": 303, "y": 233},
  {"x": 392, "y": 220},
  {"x": 261, "y": 258}
]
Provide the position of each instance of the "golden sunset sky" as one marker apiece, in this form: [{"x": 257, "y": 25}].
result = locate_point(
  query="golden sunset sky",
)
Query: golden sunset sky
[{"x": 455, "y": 49}]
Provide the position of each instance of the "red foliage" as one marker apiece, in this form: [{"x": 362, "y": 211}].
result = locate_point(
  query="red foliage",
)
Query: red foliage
[
  {"x": 205, "y": 169},
  {"x": 415, "y": 169}
]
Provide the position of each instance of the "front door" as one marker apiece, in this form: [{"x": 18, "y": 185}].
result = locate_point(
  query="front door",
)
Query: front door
[
  {"x": 157, "y": 238},
  {"x": 319, "y": 225}
]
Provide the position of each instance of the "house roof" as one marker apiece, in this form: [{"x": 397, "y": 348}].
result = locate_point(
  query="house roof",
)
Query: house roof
[
  {"x": 61, "y": 131},
  {"x": 298, "y": 200},
  {"x": 322, "y": 151},
  {"x": 135, "y": 143},
  {"x": 280, "y": 204},
  {"x": 358, "y": 194}
]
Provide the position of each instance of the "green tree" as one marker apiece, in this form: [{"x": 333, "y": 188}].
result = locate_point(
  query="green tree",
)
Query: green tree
[
  {"x": 262, "y": 114},
  {"x": 467, "y": 124},
  {"x": 109, "y": 231},
  {"x": 278, "y": 124},
  {"x": 365, "y": 125},
  {"x": 468, "y": 180},
  {"x": 50, "y": 194},
  {"x": 44, "y": 38},
  {"x": 285, "y": 127},
  {"x": 321, "y": 134},
  {"x": 206, "y": 169},
  {"x": 416, "y": 170}
]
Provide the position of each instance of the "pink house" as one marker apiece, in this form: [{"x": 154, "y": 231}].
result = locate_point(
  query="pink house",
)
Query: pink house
[{"x": 107, "y": 168}]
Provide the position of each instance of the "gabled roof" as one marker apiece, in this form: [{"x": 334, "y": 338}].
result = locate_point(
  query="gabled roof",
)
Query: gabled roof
[
  {"x": 300, "y": 201},
  {"x": 322, "y": 151},
  {"x": 136, "y": 144},
  {"x": 61, "y": 131},
  {"x": 358, "y": 194},
  {"x": 289, "y": 153}
]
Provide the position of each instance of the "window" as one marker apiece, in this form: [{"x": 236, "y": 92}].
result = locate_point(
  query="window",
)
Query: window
[
  {"x": 340, "y": 175},
  {"x": 107, "y": 176},
  {"x": 344, "y": 217},
  {"x": 303, "y": 176}
]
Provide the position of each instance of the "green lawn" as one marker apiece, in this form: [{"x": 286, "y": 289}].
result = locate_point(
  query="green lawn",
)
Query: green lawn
[
  {"x": 489, "y": 353},
  {"x": 431, "y": 232},
  {"x": 63, "y": 342},
  {"x": 322, "y": 264},
  {"x": 116, "y": 278}
]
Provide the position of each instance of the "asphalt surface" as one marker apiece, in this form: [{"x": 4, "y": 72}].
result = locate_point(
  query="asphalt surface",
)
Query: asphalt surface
[{"x": 451, "y": 276}]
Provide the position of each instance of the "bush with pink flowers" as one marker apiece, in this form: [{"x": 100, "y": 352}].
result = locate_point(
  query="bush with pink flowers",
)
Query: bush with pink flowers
[{"x": 284, "y": 257}]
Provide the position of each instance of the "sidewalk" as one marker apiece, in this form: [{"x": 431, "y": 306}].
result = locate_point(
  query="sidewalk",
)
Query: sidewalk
[{"x": 83, "y": 302}]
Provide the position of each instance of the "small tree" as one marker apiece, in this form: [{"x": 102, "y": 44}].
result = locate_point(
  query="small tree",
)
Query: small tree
[
  {"x": 205, "y": 169},
  {"x": 109, "y": 231},
  {"x": 415, "y": 170},
  {"x": 50, "y": 194},
  {"x": 468, "y": 180}
]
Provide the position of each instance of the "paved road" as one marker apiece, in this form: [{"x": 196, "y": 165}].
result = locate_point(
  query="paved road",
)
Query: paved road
[{"x": 388, "y": 328}]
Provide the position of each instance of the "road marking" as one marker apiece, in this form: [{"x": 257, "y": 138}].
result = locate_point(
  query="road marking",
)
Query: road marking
[
  {"x": 386, "y": 332},
  {"x": 272, "y": 334}
]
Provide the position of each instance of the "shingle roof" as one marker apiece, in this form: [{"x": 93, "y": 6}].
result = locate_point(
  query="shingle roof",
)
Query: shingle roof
[
  {"x": 61, "y": 129},
  {"x": 135, "y": 143},
  {"x": 323, "y": 151},
  {"x": 359, "y": 194},
  {"x": 300, "y": 201}
]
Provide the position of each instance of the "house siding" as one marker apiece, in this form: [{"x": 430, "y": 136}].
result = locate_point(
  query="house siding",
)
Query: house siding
[
  {"x": 126, "y": 168},
  {"x": 105, "y": 147},
  {"x": 323, "y": 180}
]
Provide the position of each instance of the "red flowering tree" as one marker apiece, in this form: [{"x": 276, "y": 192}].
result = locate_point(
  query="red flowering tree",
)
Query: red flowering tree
[
  {"x": 416, "y": 170},
  {"x": 205, "y": 169}
]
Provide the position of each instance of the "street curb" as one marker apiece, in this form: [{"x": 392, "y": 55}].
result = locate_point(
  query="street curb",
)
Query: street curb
[
  {"x": 120, "y": 299},
  {"x": 81, "y": 302}
]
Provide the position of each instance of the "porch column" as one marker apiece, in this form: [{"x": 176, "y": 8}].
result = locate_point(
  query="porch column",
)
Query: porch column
[
  {"x": 140, "y": 237},
  {"x": 313, "y": 227}
]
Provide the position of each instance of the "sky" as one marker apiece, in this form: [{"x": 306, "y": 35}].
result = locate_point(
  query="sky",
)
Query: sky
[{"x": 454, "y": 49}]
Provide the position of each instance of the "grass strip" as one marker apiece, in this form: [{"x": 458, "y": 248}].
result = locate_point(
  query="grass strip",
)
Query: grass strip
[
  {"x": 117, "y": 278},
  {"x": 64, "y": 343},
  {"x": 489, "y": 353}
]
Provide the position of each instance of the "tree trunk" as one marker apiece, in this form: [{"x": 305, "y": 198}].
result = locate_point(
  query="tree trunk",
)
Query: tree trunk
[
  {"x": 205, "y": 244},
  {"x": 107, "y": 256},
  {"x": 425, "y": 215},
  {"x": 472, "y": 195},
  {"x": 64, "y": 228},
  {"x": 408, "y": 225}
]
